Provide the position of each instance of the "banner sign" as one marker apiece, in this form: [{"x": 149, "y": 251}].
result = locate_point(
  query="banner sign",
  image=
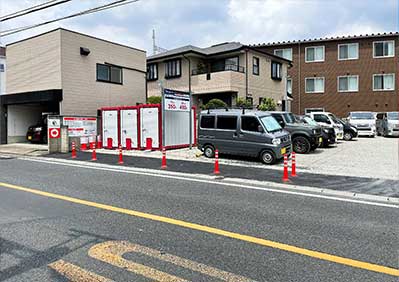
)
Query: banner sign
[
  {"x": 176, "y": 100},
  {"x": 81, "y": 126}
]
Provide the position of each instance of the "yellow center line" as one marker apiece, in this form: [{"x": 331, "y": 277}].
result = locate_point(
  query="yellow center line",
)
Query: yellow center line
[{"x": 220, "y": 232}]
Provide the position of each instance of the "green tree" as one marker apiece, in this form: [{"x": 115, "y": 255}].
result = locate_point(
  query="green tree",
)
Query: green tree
[
  {"x": 215, "y": 103},
  {"x": 241, "y": 102},
  {"x": 268, "y": 104},
  {"x": 154, "y": 100}
]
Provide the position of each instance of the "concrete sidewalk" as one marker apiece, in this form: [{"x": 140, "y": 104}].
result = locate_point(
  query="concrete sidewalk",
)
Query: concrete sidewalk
[{"x": 25, "y": 149}]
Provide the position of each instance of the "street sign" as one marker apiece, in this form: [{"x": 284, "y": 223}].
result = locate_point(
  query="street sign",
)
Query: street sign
[
  {"x": 55, "y": 133},
  {"x": 54, "y": 127},
  {"x": 176, "y": 100}
]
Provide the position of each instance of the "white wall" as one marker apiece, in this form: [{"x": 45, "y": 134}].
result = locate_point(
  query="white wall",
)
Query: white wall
[{"x": 19, "y": 118}]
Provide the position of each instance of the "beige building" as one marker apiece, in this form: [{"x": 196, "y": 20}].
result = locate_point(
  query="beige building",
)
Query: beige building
[
  {"x": 225, "y": 71},
  {"x": 67, "y": 73}
]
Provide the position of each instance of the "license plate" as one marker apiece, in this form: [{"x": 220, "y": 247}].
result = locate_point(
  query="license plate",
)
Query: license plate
[
  {"x": 283, "y": 151},
  {"x": 320, "y": 140},
  {"x": 29, "y": 137}
]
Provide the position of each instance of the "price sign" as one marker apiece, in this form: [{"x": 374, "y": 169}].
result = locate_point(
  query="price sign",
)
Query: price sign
[{"x": 176, "y": 101}]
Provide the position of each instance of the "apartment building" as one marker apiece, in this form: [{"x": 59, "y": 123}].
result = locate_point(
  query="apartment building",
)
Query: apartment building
[
  {"x": 67, "y": 73},
  {"x": 342, "y": 74},
  {"x": 225, "y": 71},
  {"x": 2, "y": 70}
]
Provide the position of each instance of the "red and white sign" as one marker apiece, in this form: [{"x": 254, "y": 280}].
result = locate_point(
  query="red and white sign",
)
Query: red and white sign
[
  {"x": 176, "y": 100},
  {"x": 81, "y": 126},
  {"x": 54, "y": 133}
]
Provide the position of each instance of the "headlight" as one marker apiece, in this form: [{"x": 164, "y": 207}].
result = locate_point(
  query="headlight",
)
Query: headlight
[
  {"x": 314, "y": 131},
  {"x": 276, "y": 141},
  {"x": 37, "y": 129},
  {"x": 325, "y": 130}
]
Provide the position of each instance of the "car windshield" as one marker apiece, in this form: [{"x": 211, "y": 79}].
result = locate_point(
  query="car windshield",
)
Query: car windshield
[
  {"x": 366, "y": 115},
  {"x": 334, "y": 118},
  {"x": 289, "y": 118},
  {"x": 270, "y": 123},
  {"x": 393, "y": 116},
  {"x": 310, "y": 121}
]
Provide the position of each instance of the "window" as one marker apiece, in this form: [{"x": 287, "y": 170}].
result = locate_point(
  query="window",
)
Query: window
[
  {"x": 321, "y": 118},
  {"x": 208, "y": 122},
  {"x": 255, "y": 67},
  {"x": 383, "y": 49},
  {"x": 1, "y": 67},
  {"x": 261, "y": 100},
  {"x": 314, "y": 54},
  {"x": 270, "y": 123},
  {"x": 152, "y": 71},
  {"x": 289, "y": 86},
  {"x": 250, "y": 124},
  {"x": 276, "y": 70},
  {"x": 173, "y": 68},
  {"x": 310, "y": 110},
  {"x": 109, "y": 73},
  {"x": 383, "y": 82},
  {"x": 226, "y": 122},
  {"x": 348, "y": 51},
  {"x": 279, "y": 118},
  {"x": 231, "y": 64},
  {"x": 348, "y": 83},
  {"x": 314, "y": 85},
  {"x": 284, "y": 53}
]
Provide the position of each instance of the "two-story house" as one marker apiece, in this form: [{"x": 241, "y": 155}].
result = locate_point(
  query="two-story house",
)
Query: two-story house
[
  {"x": 67, "y": 73},
  {"x": 225, "y": 71},
  {"x": 342, "y": 74}
]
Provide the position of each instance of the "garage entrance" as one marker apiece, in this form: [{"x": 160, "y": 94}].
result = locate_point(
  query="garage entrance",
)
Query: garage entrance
[{"x": 20, "y": 111}]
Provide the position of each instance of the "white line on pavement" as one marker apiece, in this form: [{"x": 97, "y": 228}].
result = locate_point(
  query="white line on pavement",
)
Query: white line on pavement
[{"x": 208, "y": 180}]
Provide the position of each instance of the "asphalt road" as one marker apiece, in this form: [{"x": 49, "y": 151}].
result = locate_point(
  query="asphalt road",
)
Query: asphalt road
[{"x": 106, "y": 227}]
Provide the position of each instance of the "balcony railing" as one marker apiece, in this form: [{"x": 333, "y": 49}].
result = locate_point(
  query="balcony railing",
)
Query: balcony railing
[{"x": 227, "y": 67}]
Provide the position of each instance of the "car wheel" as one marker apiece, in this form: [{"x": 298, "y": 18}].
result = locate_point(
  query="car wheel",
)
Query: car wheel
[
  {"x": 348, "y": 136},
  {"x": 209, "y": 151},
  {"x": 301, "y": 145},
  {"x": 267, "y": 157}
]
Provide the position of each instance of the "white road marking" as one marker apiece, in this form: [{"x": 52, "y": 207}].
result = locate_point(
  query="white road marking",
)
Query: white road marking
[{"x": 201, "y": 179}]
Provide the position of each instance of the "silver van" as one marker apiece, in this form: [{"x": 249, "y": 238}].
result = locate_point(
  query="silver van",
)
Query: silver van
[
  {"x": 387, "y": 124},
  {"x": 242, "y": 132}
]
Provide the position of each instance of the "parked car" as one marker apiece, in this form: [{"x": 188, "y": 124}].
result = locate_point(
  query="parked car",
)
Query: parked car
[
  {"x": 328, "y": 119},
  {"x": 327, "y": 132},
  {"x": 305, "y": 138},
  {"x": 350, "y": 131},
  {"x": 364, "y": 122},
  {"x": 242, "y": 132},
  {"x": 38, "y": 133},
  {"x": 387, "y": 124}
]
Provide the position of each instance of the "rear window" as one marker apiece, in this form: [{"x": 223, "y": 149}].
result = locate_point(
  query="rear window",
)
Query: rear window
[
  {"x": 227, "y": 122},
  {"x": 208, "y": 122}
]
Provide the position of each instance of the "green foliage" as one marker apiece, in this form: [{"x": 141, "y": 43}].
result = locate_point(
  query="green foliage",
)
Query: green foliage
[
  {"x": 241, "y": 102},
  {"x": 154, "y": 100},
  {"x": 215, "y": 103},
  {"x": 268, "y": 104}
]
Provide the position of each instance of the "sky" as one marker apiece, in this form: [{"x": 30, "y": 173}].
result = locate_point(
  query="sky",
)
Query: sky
[{"x": 206, "y": 22}]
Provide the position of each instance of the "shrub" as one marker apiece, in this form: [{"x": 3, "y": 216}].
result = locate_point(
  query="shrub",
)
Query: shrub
[
  {"x": 154, "y": 100},
  {"x": 241, "y": 102},
  {"x": 268, "y": 104},
  {"x": 215, "y": 103}
]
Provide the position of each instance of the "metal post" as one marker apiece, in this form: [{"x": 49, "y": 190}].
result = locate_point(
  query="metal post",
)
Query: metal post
[{"x": 162, "y": 113}]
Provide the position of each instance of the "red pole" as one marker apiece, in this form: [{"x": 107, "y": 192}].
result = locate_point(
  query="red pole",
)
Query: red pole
[
  {"x": 120, "y": 155},
  {"x": 285, "y": 175},
  {"x": 216, "y": 168},
  {"x": 93, "y": 154},
  {"x": 163, "y": 166},
  {"x": 73, "y": 150},
  {"x": 293, "y": 165}
]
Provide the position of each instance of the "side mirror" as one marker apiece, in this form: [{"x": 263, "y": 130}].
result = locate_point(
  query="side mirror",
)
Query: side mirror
[
  {"x": 260, "y": 129},
  {"x": 282, "y": 124}
]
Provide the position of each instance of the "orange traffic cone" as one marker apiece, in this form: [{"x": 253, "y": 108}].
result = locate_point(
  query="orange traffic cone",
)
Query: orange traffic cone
[
  {"x": 94, "y": 154},
  {"x": 216, "y": 168},
  {"x": 285, "y": 175},
  {"x": 120, "y": 155},
  {"x": 163, "y": 166},
  {"x": 293, "y": 165}
]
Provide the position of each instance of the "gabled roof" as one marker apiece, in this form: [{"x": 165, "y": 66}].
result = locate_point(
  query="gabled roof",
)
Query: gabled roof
[
  {"x": 209, "y": 51},
  {"x": 325, "y": 39}
]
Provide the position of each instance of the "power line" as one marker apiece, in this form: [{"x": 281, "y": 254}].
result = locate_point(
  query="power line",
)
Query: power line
[
  {"x": 27, "y": 9},
  {"x": 85, "y": 12}
]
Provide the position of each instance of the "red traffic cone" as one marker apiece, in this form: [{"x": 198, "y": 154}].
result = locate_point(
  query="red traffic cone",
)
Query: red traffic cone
[
  {"x": 120, "y": 155},
  {"x": 293, "y": 165},
  {"x": 285, "y": 175},
  {"x": 216, "y": 168},
  {"x": 94, "y": 154},
  {"x": 73, "y": 150},
  {"x": 163, "y": 166}
]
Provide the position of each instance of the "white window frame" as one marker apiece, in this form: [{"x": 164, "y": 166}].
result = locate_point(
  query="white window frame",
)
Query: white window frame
[
  {"x": 384, "y": 74},
  {"x": 289, "y": 79},
  {"x": 316, "y": 92},
  {"x": 383, "y": 41},
  {"x": 348, "y": 59},
  {"x": 315, "y": 61},
  {"x": 347, "y": 76},
  {"x": 282, "y": 49}
]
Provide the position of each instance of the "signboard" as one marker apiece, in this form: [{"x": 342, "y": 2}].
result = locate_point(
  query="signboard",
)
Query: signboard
[
  {"x": 54, "y": 127},
  {"x": 176, "y": 101},
  {"x": 81, "y": 126}
]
